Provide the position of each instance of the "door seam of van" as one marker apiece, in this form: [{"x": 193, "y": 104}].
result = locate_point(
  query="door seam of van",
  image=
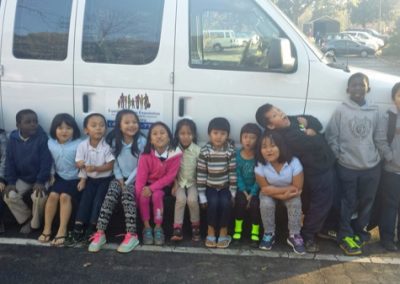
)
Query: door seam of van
[
  {"x": 173, "y": 67},
  {"x": 2, "y": 67},
  {"x": 73, "y": 59},
  {"x": 308, "y": 83}
]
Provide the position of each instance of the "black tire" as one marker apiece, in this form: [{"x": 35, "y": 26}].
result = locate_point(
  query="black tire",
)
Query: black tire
[
  {"x": 364, "y": 53},
  {"x": 217, "y": 47}
]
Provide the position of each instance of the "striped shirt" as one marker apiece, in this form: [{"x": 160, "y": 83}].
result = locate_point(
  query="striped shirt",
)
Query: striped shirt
[{"x": 216, "y": 169}]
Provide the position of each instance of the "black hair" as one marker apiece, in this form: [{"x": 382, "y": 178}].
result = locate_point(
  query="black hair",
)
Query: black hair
[
  {"x": 219, "y": 123},
  {"x": 23, "y": 112},
  {"x": 260, "y": 115},
  {"x": 360, "y": 75},
  {"x": 395, "y": 89},
  {"x": 188, "y": 122},
  {"x": 148, "y": 146},
  {"x": 117, "y": 135},
  {"x": 250, "y": 128},
  {"x": 86, "y": 120},
  {"x": 68, "y": 120},
  {"x": 285, "y": 155}
]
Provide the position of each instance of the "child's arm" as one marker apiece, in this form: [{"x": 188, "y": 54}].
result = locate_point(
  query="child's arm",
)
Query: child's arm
[
  {"x": 310, "y": 122},
  {"x": 3, "y": 153},
  {"x": 142, "y": 172},
  {"x": 173, "y": 165},
  {"x": 380, "y": 138},
  {"x": 273, "y": 191},
  {"x": 81, "y": 184},
  {"x": 202, "y": 175},
  {"x": 240, "y": 181},
  {"x": 103, "y": 168},
  {"x": 332, "y": 132},
  {"x": 232, "y": 174},
  {"x": 45, "y": 163}
]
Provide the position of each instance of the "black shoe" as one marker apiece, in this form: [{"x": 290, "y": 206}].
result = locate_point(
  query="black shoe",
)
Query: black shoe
[
  {"x": 311, "y": 246},
  {"x": 74, "y": 238},
  {"x": 328, "y": 235},
  {"x": 389, "y": 246}
]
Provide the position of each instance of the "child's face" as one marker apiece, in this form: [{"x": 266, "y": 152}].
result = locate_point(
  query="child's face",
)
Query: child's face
[
  {"x": 218, "y": 137},
  {"x": 64, "y": 132},
  {"x": 277, "y": 119},
  {"x": 249, "y": 141},
  {"x": 96, "y": 127},
  {"x": 396, "y": 99},
  {"x": 159, "y": 138},
  {"x": 185, "y": 136},
  {"x": 357, "y": 89},
  {"x": 28, "y": 125},
  {"x": 129, "y": 125},
  {"x": 269, "y": 150}
]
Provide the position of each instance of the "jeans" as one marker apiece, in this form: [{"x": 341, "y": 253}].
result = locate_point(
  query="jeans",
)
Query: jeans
[{"x": 219, "y": 207}]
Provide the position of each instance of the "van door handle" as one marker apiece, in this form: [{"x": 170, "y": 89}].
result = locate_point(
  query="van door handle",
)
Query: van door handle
[
  {"x": 85, "y": 103},
  {"x": 181, "y": 108}
]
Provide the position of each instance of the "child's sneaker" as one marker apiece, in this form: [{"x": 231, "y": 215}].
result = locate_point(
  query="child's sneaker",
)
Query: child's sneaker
[
  {"x": 296, "y": 242},
  {"x": 311, "y": 246},
  {"x": 98, "y": 240},
  {"x": 148, "y": 236},
  {"x": 177, "y": 235},
  {"x": 196, "y": 233},
  {"x": 359, "y": 241},
  {"x": 349, "y": 246},
  {"x": 159, "y": 238},
  {"x": 328, "y": 235},
  {"x": 129, "y": 243},
  {"x": 267, "y": 241}
]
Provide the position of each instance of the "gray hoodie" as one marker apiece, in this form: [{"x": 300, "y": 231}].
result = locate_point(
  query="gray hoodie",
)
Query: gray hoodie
[
  {"x": 391, "y": 152},
  {"x": 352, "y": 134}
]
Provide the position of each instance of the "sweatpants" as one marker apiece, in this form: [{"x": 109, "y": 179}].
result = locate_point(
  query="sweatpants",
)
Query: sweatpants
[
  {"x": 242, "y": 206},
  {"x": 157, "y": 198},
  {"x": 219, "y": 207},
  {"x": 128, "y": 203},
  {"x": 20, "y": 210},
  {"x": 187, "y": 196}
]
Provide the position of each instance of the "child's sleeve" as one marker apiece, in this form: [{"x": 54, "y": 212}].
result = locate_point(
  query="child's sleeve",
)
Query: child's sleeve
[
  {"x": 46, "y": 161},
  {"x": 117, "y": 170},
  {"x": 254, "y": 189},
  {"x": 142, "y": 172},
  {"x": 332, "y": 132},
  {"x": 240, "y": 181},
  {"x": 232, "y": 174},
  {"x": 80, "y": 156},
  {"x": 202, "y": 175},
  {"x": 380, "y": 137},
  {"x": 173, "y": 165},
  {"x": 313, "y": 123},
  {"x": 10, "y": 170},
  {"x": 3, "y": 154}
]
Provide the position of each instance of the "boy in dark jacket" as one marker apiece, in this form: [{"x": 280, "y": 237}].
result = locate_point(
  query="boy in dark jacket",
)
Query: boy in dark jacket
[
  {"x": 302, "y": 134},
  {"x": 28, "y": 165}
]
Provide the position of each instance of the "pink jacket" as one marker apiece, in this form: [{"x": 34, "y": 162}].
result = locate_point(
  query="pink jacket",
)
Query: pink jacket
[{"x": 158, "y": 174}]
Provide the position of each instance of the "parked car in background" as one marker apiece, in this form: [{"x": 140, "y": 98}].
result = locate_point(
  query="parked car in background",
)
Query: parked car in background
[
  {"x": 347, "y": 47},
  {"x": 372, "y": 32},
  {"x": 367, "y": 38},
  {"x": 242, "y": 38}
]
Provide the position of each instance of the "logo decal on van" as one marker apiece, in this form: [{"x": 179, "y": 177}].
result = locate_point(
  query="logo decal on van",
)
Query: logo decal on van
[{"x": 138, "y": 102}]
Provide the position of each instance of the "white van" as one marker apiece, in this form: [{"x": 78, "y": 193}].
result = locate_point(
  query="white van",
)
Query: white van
[
  {"x": 219, "y": 39},
  {"x": 83, "y": 56}
]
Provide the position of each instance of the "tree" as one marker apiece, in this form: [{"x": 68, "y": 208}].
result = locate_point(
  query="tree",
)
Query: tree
[
  {"x": 367, "y": 11},
  {"x": 294, "y": 8}
]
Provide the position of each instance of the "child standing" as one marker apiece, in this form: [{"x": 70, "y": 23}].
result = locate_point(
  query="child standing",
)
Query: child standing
[
  {"x": 389, "y": 127},
  {"x": 185, "y": 188},
  {"x": 127, "y": 143},
  {"x": 3, "y": 147},
  {"x": 65, "y": 134},
  {"x": 302, "y": 135},
  {"x": 216, "y": 181},
  {"x": 352, "y": 135},
  {"x": 95, "y": 161},
  {"x": 280, "y": 177},
  {"x": 157, "y": 169},
  {"x": 28, "y": 165},
  {"x": 247, "y": 191}
]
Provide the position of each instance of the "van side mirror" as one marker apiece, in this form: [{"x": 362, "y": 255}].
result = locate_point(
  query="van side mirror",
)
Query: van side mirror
[{"x": 280, "y": 55}]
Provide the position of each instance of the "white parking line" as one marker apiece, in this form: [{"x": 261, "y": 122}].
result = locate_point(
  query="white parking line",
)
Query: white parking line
[{"x": 232, "y": 252}]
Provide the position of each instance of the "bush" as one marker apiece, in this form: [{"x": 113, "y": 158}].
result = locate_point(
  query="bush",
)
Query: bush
[{"x": 393, "y": 46}]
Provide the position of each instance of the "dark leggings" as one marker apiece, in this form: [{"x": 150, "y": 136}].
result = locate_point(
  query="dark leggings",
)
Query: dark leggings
[{"x": 241, "y": 208}]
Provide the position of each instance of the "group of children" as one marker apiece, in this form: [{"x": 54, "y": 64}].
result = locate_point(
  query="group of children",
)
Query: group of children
[{"x": 331, "y": 179}]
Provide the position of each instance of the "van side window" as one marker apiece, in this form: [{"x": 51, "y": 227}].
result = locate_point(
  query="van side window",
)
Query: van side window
[
  {"x": 122, "y": 31},
  {"x": 41, "y": 29},
  {"x": 237, "y": 35}
]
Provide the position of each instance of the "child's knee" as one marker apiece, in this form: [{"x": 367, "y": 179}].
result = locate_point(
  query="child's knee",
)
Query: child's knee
[
  {"x": 181, "y": 200},
  {"x": 65, "y": 198},
  {"x": 53, "y": 197}
]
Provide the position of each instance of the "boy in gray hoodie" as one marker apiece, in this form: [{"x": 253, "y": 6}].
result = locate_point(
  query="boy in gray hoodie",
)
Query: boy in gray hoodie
[
  {"x": 353, "y": 136},
  {"x": 389, "y": 127}
]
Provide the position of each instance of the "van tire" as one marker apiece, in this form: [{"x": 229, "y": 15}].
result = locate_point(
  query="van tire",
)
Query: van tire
[
  {"x": 364, "y": 53},
  {"x": 217, "y": 47}
]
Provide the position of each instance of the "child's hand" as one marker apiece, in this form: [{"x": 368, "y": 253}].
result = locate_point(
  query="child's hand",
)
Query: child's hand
[
  {"x": 9, "y": 188},
  {"x": 2, "y": 186},
  {"x": 81, "y": 185},
  {"x": 90, "y": 169},
  {"x": 302, "y": 121},
  {"x": 310, "y": 132},
  {"x": 80, "y": 164},
  {"x": 122, "y": 184},
  {"x": 146, "y": 191},
  {"x": 52, "y": 180},
  {"x": 248, "y": 201},
  {"x": 39, "y": 190},
  {"x": 174, "y": 190}
]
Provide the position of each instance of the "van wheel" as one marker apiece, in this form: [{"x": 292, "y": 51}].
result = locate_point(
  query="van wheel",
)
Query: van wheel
[
  {"x": 364, "y": 53},
  {"x": 217, "y": 47}
]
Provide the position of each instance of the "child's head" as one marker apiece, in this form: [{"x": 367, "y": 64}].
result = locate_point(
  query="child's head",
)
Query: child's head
[
  {"x": 396, "y": 95},
  {"x": 358, "y": 87},
  {"x": 185, "y": 133},
  {"x": 64, "y": 127},
  {"x": 95, "y": 126},
  {"x": 268, "y": 116},
  {"x": 159, "y": 137},
  {"x": 27, "y": 122},
  {"x": 249, "y": 135},
  {"x": 218, "y": 131},
  {"x": 272, "y": 148}
]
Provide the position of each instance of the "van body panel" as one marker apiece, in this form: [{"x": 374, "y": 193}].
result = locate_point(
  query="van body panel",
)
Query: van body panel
[
  {"x": 2, "y": 8},
  {"x": 33, "y": 83}
]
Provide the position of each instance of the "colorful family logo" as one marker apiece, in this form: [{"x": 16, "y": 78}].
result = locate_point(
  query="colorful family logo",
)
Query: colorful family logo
[{"x": 137, "y": 102}]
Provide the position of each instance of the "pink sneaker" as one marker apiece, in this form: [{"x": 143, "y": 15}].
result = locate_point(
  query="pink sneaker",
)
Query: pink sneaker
[
  {"x": 129, "y": 243},
  {"x": 98, "y": 239}
]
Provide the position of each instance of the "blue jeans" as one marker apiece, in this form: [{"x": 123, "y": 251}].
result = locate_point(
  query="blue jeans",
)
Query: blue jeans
[
  {"x": 219, "y": 207},
  {"x": 359, "y": 188},
  {"x": 390, "y": 201},
  {"x": 92, "y": 199}
]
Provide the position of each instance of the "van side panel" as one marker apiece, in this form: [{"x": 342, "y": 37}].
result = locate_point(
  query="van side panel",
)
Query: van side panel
[{"x": 2, "y": 8}]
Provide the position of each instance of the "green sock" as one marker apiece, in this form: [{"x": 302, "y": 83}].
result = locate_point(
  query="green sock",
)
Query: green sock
[
  {"x": 255, "y": 232},
  {"x": 238, "y": 229}
]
